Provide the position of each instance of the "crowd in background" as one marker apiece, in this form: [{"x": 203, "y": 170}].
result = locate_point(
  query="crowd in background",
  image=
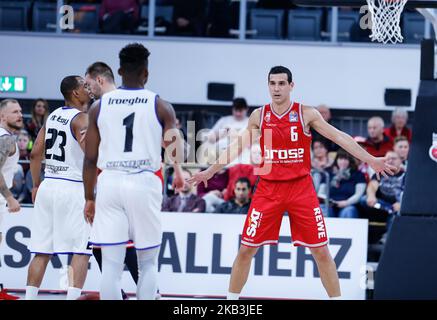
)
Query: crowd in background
[
  {"x": 22, "y": 183},
  {"x": 347, "y": 188}
]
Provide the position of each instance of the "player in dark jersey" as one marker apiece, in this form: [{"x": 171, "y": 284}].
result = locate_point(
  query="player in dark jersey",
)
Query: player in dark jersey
[{"x": 285, "y": 183}]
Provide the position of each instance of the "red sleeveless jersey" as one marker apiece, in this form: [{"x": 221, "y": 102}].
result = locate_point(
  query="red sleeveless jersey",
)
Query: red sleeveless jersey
[{"x": 285, "y": 146}]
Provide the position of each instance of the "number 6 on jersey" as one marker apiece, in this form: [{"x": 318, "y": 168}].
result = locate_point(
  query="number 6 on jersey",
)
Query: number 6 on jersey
[{"x": 294, "y": 135}]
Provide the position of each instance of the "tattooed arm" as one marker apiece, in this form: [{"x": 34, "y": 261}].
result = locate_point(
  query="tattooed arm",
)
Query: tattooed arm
[{"x": 7, "y": 147}]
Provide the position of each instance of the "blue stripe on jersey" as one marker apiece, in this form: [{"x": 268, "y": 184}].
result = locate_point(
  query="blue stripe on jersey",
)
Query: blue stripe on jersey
[
  {"x": 55, "y": 253},
  {"x": 71, "y": 121},
  {"x": 64, "y": 179},
  {"x": 98, "y": 112},
  {"x": 66, "y": 108},
  {"x": 145, "y": 170},
  {"x": 130, "y": 89},
  {"x": 156, "y": 111},
  {"x": 148, "y": 248},
  {"x": 108, "y": 244}
]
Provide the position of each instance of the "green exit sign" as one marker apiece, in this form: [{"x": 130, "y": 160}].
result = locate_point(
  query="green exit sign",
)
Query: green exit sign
[{"x": 13, "y": 84}]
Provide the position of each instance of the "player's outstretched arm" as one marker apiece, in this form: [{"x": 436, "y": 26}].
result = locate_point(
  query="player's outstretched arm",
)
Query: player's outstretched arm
[
  {"x": 174, "y": 145},
  {"x": 314, "y": 119},
  {"x": 7, "y": 147},
  {"x": 36, "y": 158},
  {"x": 92, "y": 142},
  {"x": 245, "y": 138}
]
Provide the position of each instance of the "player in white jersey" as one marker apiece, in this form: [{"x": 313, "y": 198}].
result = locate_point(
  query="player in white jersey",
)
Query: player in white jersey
[
  {"x": 58, "y": 226},
  {"x": 100, "y": 80},
  {"x": 11, "y": 121},
  {"x": 124, "y": 137}
]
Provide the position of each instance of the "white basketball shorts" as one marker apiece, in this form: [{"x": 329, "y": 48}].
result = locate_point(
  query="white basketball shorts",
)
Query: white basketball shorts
[
  {"x": 128, "y": 207},
  {"x": 58, "y": 223}
]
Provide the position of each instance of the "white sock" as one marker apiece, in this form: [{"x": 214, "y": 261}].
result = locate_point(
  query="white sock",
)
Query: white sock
[
  {"x": 148, "y": 274},
  {"x": 232, "y": 296},
  {"x": 73, "y": 293},
  {"x": 112, "y": 270},
  {"x": 31, "y": 293},
  {"x": 336, "y": 298}
]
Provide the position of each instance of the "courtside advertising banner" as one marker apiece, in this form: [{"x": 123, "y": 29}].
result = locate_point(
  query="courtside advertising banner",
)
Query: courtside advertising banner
[{"x": 196, "y": 257}]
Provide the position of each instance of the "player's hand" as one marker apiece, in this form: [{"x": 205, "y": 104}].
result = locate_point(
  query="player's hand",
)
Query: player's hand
[
  {"x": 381, "y": 166},
  {"x": 90, "y": 211},
  {"x": 202, "y": 176},
  {"x": 34, "y": 192},
  {"x": 13, "y": 204}
]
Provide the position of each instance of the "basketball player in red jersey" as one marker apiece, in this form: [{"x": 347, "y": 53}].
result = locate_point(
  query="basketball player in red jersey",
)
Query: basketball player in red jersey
[{"x": 285, "y": 182}]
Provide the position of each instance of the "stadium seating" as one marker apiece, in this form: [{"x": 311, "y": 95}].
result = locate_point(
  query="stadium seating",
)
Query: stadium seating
[
  {"x": 304, "y": 24},
  {"x": 268, "y": 24},
  {"x": 413, "y": 27},
  {"x": 346, "y": 21},
  {"x": 14, "y": 15},
  {"x": 163, "y": 18},
  {"x": 86, "y": 17},
  {"x": 44, "y": 17}
]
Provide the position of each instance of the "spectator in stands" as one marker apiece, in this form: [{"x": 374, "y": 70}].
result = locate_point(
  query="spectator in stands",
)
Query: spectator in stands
[
  {"x": 346, "y": 187},
  {"x": 242, "y": 170},
  {"x": 185, "y": 200},
  {"x": 325, "y": 112},
  {"x": 119, "y": 16},
  {"x": 377, "y": 143},
  {"x": 320, "y": 160},
  {"x": 399, "y": 119},
  {"x": 23, "y": 146},
  {"x": 40, "y": 112},
  {"x": 385, "y": 195},
  {"x": 241, "y": 203},
  {"x": 18, "y": 185},
  {"x": 229, "y": 126},
  {"x": 402, "y": 148},
  {"x": 213, "y": 194},
  {"x": 189, "y": 17}
]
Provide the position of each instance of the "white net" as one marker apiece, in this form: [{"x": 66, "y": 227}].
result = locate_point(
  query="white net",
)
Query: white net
[{"x": 386, "y": 16}]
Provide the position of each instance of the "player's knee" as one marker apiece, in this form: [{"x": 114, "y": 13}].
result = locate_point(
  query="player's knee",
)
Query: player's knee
[
  {"x": 43, "y": 257},
  {"x": 322, "y": 255},
  {"x": 148, "y": 256},
  {"x": 247, "y": 253}
]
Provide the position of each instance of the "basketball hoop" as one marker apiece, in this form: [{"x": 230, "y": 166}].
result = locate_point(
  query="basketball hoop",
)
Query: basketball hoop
[{"x": 386, "y": 16}]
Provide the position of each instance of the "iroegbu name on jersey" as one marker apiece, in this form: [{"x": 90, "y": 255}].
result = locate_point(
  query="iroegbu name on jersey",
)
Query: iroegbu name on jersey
[{"x": 129, "y": 102}]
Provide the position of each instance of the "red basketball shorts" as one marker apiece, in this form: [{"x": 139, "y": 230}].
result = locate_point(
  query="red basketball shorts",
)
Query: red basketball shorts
[{"x": 271, "y": 200}]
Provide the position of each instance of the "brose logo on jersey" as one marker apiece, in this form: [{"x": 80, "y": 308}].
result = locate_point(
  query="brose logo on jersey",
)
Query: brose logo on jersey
[
  {"x": 284, "y": 154},
  {"x": 253, "y": 222}
]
